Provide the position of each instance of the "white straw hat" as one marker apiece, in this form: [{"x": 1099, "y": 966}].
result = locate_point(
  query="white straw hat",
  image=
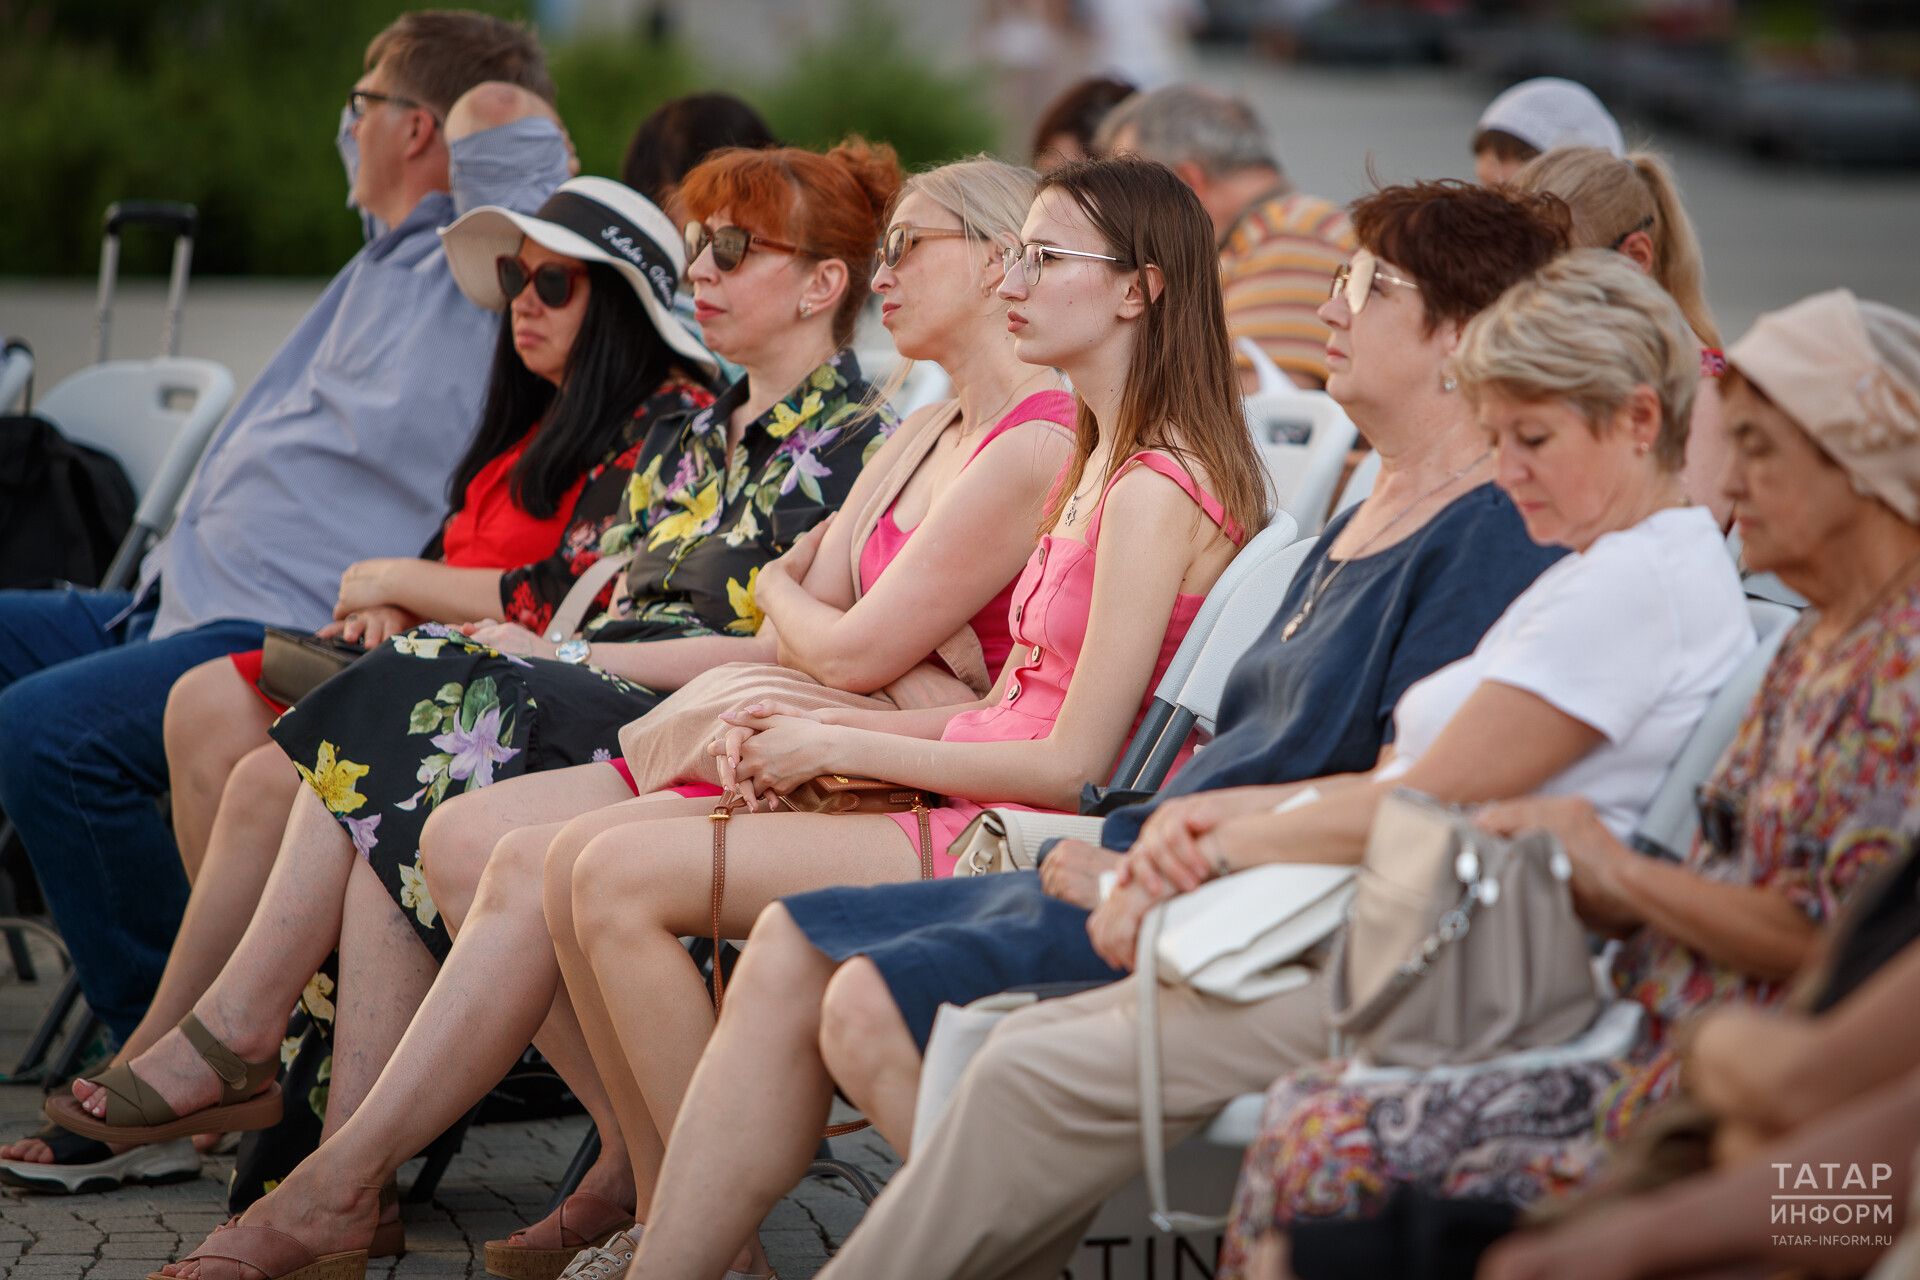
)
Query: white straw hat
[
  {"x": 1548, "y": 112},
  {"x": 593, "y": 220}
]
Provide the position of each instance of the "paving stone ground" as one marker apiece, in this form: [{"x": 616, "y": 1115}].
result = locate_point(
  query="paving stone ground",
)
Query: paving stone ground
[{"x": 502, "y": 1179}]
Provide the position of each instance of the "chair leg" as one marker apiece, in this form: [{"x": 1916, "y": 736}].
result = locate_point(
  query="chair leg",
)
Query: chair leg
[
  {"x": 852, "y": 1175},
  {"x": 48, "y": 1031},
  {"x": 17, "y": 952},
  {"x": 440, "y": 1154},
  {"x": 583, "y": 1158}
]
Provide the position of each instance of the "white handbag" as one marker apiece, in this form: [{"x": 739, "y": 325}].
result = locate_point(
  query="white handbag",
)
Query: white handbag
[{"x": 999, "y": 840}]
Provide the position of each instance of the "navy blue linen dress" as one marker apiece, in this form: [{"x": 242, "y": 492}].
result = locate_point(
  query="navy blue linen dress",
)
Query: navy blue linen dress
[{"x": 1318, "y": 704}]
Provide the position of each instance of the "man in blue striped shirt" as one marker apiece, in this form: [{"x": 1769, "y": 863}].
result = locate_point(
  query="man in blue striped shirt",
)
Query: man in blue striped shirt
[{"x": 340, "y": 451}]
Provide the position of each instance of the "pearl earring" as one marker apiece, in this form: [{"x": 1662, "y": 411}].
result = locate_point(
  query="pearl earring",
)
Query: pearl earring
[
  {"x": 1447, "y": 382},
  {"x": 806, "y": 309}
]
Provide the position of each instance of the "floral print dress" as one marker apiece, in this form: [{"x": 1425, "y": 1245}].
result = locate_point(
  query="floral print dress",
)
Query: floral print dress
[
  {"x": 1819, "y": 785},
  {"x": 433, "y": 713}
]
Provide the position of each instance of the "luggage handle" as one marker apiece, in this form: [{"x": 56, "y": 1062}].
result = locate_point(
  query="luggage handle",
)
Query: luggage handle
[{"x": 173, "y": 215}]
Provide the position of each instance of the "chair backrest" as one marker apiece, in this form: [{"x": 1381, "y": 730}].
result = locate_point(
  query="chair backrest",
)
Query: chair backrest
[
  {"x": 1249, "y": 593},
  {"x": 1667, "y": 829},
  {"x": 155, "y": 416},
  {"x": 1264, "y": 548},
  {"x": 1268, "y": 377},
  {"x": 1359, "y": 484},
  {"x": 16, "y": 372},
  {"x": 1303, "y": 438}
]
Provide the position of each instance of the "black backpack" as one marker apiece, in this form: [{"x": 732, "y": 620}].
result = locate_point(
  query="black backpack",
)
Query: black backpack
[{"x": 64, "y": 507}]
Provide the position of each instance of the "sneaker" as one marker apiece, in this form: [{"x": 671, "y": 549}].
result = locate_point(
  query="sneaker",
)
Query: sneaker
[
  {"x": 604, "y": 1262},
  {"x": 82, "y": 1165}
]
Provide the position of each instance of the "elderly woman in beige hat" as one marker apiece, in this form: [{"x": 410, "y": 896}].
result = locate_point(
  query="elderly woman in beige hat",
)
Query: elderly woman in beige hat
[{"x": 1816, "y": 793}]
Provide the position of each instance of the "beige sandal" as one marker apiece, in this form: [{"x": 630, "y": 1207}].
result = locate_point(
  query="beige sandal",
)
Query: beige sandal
[
  {"x": 137, "y": 1115},
  {"x": 233, "y": 1252}
]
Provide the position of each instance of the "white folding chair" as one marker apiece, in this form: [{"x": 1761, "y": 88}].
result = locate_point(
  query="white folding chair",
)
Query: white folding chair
[
  {"x": 1268, "y": 377},
  {"x": 1359, "y": 484},
  {"x": 1666, "y": 831},
  {"x": 1303, "y": 438},
  {"x": 16, "y": 375},
  {"x": 1265, "y": 555},
  {"x": 156, "y": 417}
]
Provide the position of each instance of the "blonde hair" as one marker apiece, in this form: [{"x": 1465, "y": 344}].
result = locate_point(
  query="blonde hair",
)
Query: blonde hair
[
  {"x": 1612, "y": 198},
  {"x": 1586, "y": 330},
  {"x": 989, "y": 196}
]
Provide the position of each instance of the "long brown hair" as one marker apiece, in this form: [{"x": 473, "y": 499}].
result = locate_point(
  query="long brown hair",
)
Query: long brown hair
[{"x": 1182, "y": 395}]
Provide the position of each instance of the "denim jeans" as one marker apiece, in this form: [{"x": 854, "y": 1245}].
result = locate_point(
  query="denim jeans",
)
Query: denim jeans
[{"x": 82, "y": 764}]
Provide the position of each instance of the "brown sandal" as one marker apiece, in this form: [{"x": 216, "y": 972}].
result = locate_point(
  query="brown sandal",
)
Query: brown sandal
[
  {"x": 231, "y": 1251},
  {"x": 543, "y": 1250},
  {"x": 137, "y": 1115}
]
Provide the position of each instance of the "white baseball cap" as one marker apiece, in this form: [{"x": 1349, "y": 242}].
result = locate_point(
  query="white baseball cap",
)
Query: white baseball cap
[{"x": 1549, "y": 112}]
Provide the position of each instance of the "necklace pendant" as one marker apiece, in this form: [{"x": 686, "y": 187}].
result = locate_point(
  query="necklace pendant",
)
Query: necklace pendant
[{"x": 1293, "y": 625}]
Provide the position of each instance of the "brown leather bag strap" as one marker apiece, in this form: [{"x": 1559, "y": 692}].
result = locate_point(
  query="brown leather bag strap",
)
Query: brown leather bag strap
[
  {"x": 721, "y": 815},
  {"x": 925, "y": 815}
]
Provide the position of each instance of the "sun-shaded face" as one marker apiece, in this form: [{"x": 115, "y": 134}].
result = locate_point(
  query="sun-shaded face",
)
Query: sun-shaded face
[{"x": 544, "y": 335}]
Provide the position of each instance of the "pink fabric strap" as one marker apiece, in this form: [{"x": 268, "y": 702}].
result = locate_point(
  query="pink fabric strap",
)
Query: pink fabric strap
[
  {"x": 1173, "y": 471},
  {"x": 1042, "y": 406}
]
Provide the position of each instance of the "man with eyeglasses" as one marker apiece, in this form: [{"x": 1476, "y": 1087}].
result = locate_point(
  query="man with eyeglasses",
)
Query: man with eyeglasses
[{"x": 339, "y": 452}]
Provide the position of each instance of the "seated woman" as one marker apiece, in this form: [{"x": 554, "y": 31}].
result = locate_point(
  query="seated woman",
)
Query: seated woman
[
  {"x": 1814, "y": 794},
  {"x": 1399, "y": 587},
  {"x": 697, "y": 523},
  {"x": 1834, "y": 1076},
  {"x": 573, "y": 390},
  {"x": 1632, "y": 206},
  {"x": 1587, "y": 685}
]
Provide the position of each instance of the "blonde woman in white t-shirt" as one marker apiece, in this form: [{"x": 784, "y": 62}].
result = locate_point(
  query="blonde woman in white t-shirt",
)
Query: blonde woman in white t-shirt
[{"x": 1583, "y": 378}]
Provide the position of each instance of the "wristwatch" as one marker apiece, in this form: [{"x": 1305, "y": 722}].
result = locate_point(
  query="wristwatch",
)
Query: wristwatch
[{"x": 573, "y": 652}]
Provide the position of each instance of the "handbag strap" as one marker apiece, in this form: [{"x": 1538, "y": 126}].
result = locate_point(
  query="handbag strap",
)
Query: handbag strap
[
  {"x": 1153, "y": 1141},
  {"x": 580, "y": 596}
]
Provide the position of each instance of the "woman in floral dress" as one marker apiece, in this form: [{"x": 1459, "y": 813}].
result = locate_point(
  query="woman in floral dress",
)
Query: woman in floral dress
[
  {"x": 1816, "y": 793},
  {"x": 442, "y": 710}
]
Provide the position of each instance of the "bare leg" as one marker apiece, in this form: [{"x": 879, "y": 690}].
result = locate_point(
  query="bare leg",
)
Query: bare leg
[
  {"x": 753, "y": 1113},
  {"x": 868, "y": 1050},
  {"x": 213, "y": 720},
  {"x": 637, "y": 889},
  {"x": 385, "y": 971},
  {"x": 295, "y": 926}
]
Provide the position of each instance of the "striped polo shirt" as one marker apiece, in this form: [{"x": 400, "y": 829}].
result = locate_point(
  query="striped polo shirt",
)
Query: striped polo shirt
[{"x": 1275, "y": 266}]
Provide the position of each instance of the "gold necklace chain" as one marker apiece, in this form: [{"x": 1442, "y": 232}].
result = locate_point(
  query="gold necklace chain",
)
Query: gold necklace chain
[{"x": 1320, "y": 584}]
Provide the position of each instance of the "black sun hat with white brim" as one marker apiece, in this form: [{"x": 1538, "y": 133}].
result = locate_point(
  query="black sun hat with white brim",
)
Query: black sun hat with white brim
[{"x": 593, "y": 220}]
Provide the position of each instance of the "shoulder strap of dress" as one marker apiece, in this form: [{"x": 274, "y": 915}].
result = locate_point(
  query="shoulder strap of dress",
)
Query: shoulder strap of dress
[
  {"x": 904, "y": 465},
  {"x": 1042, "y": 406},
  {"x": 1166, "y": 466}
]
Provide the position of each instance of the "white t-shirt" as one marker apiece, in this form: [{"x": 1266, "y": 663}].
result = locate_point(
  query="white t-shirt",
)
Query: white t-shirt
[{"x": 1631, "y": 638}]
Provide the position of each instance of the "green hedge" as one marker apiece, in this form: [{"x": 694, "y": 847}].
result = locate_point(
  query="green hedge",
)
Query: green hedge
[{"x": 231, "y": 104}]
